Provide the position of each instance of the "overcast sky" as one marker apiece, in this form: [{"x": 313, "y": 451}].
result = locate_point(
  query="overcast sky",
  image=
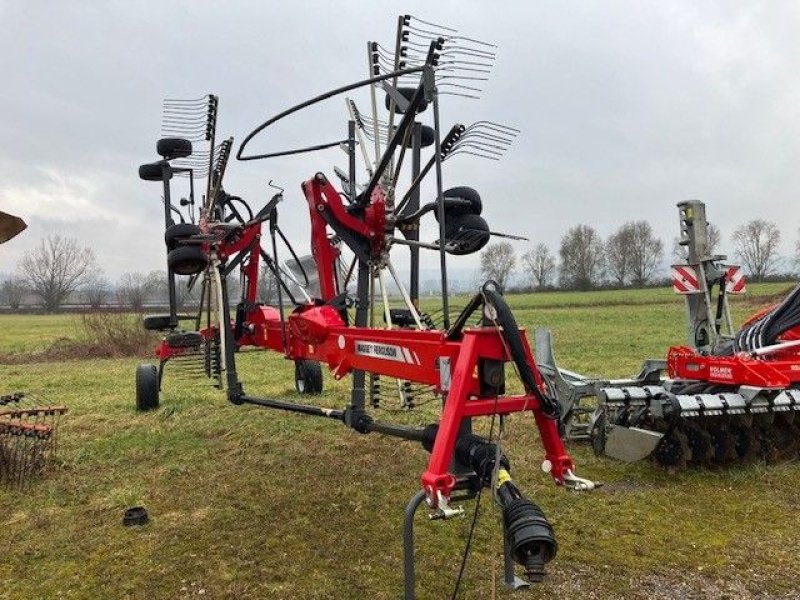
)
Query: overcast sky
[{"x": 625, "y": 109}]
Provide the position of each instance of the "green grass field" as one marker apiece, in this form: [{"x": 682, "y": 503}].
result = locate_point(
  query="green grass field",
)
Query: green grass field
[{"x": 248, "y": 503}]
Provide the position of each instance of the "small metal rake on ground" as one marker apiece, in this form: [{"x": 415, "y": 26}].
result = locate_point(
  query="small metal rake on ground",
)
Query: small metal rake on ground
[{"x": 27, "y": 438}]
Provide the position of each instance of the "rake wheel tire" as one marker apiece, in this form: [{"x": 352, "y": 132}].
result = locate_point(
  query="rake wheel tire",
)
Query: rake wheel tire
[
  {"x": 157, "y": 322},
  {"x": 172, "y": 147},
  {"x": 466, "y": 234},
  {"x": 187, "y": 260},
  {"x": 178, "y": 232},
  {"x": 462, "y": 192},
  {"x": 153, "y": 172},
  {"x": 184, "y": 339},
  {"x": 308, "y": 377},
  {"x": 146, "y": 387}
]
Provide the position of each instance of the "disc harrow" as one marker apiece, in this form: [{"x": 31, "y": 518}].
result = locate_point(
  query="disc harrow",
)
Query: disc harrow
[{"x": 728, "y": 397}]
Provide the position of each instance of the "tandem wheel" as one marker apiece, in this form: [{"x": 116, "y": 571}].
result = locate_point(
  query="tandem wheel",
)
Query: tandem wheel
[
  {"x": 308, "y": 377},
  {"x": 146, "y": 387}
]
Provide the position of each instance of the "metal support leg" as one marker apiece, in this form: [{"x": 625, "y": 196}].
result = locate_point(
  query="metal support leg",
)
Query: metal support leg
[
  {"x": 510, "y": 580},
  {"x": 408, "y": 544}
]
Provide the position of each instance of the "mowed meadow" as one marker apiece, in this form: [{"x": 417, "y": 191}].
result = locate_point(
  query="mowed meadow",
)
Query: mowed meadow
[{"x": 250, "y": 503}]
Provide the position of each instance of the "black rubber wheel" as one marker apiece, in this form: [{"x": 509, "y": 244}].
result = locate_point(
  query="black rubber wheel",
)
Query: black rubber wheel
[
  {"x": 179, "y": 231},
  {"x": 427, "y": 135},
  {"x": 157, "y": 322},
  {"x": 466, "y": 234},
  {"x": 308, "y": 377},
  {"x": 408, "y": 94},
  {"x": 187, "y": 260},
  {"x": 461, "y": 192},
  {"x": 146, "y": 387},
  {"x": 172, "y": 147},
  {"x": 184, "y": 339},
  {"x": 153, "y": 172}
]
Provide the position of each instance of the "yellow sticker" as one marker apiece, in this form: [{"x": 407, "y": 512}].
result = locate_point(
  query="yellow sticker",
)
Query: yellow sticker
[{"x": 502, "y": 477}]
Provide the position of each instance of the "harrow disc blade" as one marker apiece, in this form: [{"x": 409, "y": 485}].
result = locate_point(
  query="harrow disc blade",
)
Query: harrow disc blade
[
  {"x": 700, "y": 443},
  {"x": 597, "y": 435},
  {"x": 785, "y": 439},
  {"x": 724, "y": 444},
  {"x": 767, "y": 443},
  {"x": 747, "y": 444},
  {"x": 673, "y": 452}
]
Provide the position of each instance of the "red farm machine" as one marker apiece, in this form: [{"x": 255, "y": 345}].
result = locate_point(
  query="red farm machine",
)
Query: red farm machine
[
  {"x": 328, "y": 312},
  {"x": 727, "y": 396}
]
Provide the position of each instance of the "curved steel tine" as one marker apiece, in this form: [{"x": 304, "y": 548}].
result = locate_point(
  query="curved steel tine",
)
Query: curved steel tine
[
  {"x": 406, "y": 19},
  {"x": 495, "y": 129},
  {"x": 183, "y": 115},
  {"x": 472, "y": 153},
  {"x": 482, "y": 146},
  {"x": 454, "y": 47},
  {"x": 492, "y": 137},
  {"x": 187, "y": 100},
  {"x": 495, "y": 124},
  {"x": 463, "y": 77},
  {"x": 466, "y": 88},
  {"x": 493, "y": 134},
  {"x": 473, "y": 41},
  {"x": 457, "y": 65}
]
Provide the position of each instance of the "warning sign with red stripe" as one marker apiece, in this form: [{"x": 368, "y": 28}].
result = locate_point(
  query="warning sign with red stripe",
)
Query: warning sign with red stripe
[
  {"x": 735, "y": 282},
  {"x": 685, "y": 280}
]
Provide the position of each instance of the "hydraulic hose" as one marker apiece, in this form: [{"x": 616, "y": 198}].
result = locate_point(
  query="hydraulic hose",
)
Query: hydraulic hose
[{"x": 505, "y": 319}]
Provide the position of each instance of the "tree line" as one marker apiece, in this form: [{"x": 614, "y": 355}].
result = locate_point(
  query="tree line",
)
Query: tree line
[
  {"x": 59, "y": 269},
  {"x": 632, "y": 256}
]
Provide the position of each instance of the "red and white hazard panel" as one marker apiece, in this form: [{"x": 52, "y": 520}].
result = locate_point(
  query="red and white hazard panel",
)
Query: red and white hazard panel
[
  {"x": 685, "y": 280},
  {"x": 735, "y": 282}
]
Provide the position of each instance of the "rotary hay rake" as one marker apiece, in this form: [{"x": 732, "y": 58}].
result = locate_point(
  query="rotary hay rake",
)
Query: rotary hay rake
[{"x": 457, "y": 359}]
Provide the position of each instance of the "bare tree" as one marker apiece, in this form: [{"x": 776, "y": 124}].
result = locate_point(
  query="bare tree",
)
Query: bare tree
[
  {"x": 96, "y": 290},
  {"x": 646, "y": 252},
  {"x": 618, "y": 254},
  {"x": 13, "y": 291},
  {"x": 756, "y": 244},
  {"x": 56, "y": 268},
  {"x": 582, "y": 259},
  {"x": 679, "y": 253},
  {"x": 539, "y": 264},
  {"x": 497, "y": 262},
  {"x": 135, "y": 289}
]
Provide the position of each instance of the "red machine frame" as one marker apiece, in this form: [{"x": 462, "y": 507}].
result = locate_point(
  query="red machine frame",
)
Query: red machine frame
[{"x": 316, "y": 331}]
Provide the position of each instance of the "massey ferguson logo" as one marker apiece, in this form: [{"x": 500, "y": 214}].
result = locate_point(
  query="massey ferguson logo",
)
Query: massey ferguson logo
[
  {"x": 381, "y": 350},
  {"x": 387, "y": 352},
  {"x": 721, "y": 372}
]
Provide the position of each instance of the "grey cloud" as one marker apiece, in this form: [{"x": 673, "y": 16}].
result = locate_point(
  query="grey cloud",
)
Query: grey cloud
[{"x": 625, "y": 107}]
